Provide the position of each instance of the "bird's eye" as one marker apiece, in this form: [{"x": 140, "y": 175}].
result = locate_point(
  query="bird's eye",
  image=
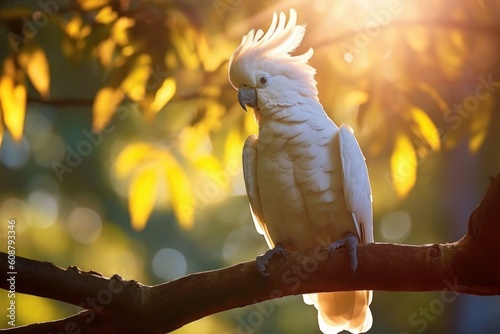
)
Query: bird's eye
[{"x": 263, "y": 80}]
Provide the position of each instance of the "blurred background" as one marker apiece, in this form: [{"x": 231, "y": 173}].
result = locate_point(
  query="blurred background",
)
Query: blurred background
[{"x": 121, "y": 140}]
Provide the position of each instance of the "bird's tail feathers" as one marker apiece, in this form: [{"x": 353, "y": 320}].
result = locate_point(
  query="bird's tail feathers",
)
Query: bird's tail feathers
[{"x": 345, "y": 310}]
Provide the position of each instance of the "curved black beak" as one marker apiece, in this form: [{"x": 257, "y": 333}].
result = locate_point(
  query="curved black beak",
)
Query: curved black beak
[{"x": 247, "y": 97}]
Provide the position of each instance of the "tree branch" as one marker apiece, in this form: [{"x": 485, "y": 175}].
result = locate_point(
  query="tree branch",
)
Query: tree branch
[
  {"x": 486, "y": 29},
  {"x": 470, "y": 265}
]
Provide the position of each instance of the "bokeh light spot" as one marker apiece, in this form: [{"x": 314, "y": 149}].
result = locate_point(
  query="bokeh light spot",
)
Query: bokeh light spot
[
  {"x": 348, "y": 57},
  {"x": 14, "y": 208},
  {"x": 396, "y": 226},
  {"x": 169, "y": 264},
  {"x": 44, "y": 208},
  {"x": 37, "y": 124},
  {"x": 232, "y": 250},
  {"x": 14, "y": 155},
  {"x": 48, "y": 148},
  {"x": 84, "y": 225}
]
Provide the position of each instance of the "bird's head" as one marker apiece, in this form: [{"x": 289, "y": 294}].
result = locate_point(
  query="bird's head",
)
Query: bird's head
[{"x": 262, "y": 69}]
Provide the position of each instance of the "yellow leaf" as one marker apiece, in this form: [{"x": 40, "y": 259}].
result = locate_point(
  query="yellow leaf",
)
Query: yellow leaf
[
  {"x": 142, "y": 196},
  {"x": 131, "y": 157},
  {"x": 184, "y": 43},
  {"x": 171, "y": 60},
  {"x": 163, "y": 95},
  {"x": 480, "y": 123},
  {"x": 350, "y": 98},
  {"x": 418, "y": 38},
  {"x": 451, "y": 52},
  {"x": 208, "y": 164},
  {"x": 106, "y": 15},
  {"x": 85, "y": 31},
  {"x": 403, "y": 166},
  {"x": 14, "y": 109},
  {"x": 194, "y": 142},
  {"x": 73, "y": 27},
  {"x": 180, "y": 190},
  {"x": 145, "y": 104},
  {"x": 128, "y": 50},
  {"x": 145, "y": 184},
  {"x": 458, "y": 40},
  {"x": 214, "y": 112},
  {"x": 426, "y": 128},
  {"x": 355, "y": 97},
  {"x": 135, "y": 81},
  {"x": 347, "y": 102},
  {"x": 426, "y": 88},
  {"x": 105, "y": 104},
  {"x": 218, "y": 53},
  {"x": 477, "y": 140},
  {"x": 12, "y": 100},
  {"x": 202, "y": 46},
  {"x": 119, "y": 32},
  {"x": 1, "y": 129},
  {"x": 105, "y": 51},
  {"x": 92, "y": 4},
  {"x": 233, "y": 147},
  {"x": 35, "y": 63}
]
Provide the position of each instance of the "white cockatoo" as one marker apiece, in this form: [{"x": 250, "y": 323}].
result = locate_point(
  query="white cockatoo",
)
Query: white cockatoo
[{"x": 306, "y": 178}]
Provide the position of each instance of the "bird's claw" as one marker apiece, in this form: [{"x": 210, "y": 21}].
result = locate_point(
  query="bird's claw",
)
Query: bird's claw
[
  {"x": 349, "y": 242},
  {"x": 263, "y": 260}
]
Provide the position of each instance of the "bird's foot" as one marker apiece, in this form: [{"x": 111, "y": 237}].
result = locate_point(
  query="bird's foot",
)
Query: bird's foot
[
  {"x": 350, "y": 242},
  {"x": 263, "y": 260}
]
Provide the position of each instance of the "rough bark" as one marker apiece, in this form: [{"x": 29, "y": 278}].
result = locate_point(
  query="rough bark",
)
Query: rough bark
[{"x": 470, "y": 265}]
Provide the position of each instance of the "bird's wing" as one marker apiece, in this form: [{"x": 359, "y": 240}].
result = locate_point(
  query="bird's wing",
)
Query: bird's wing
[
  {"x": 357, "y": 191},
  {"x": 250, "y": 176}
]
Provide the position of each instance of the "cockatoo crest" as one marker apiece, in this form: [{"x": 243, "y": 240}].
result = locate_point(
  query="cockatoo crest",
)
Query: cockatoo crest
[{"x": 271, "y": 52}]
